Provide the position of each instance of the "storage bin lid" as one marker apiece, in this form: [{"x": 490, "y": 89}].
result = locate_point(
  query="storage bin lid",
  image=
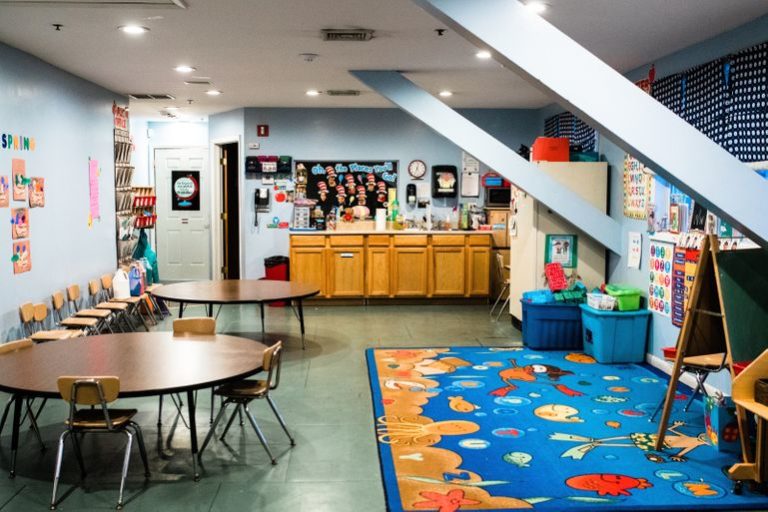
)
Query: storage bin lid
[{"x": 603, "y": 312}]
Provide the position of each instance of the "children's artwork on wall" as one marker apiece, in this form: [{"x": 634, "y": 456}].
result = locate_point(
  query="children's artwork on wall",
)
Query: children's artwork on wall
[
  {"x": 36, "y": 192},
  {"x": 5, "y": 191},
  {"x": 19, "y": 223},
  {"x": 561, "y": 249},
  {"x": 674, "y": 218},
  {"x": 660, "y": 290},
  {"x": 635, "y": 244},
  {"x": 22, "y": 258},
  {"x": 335, "y": 183},
  {"x": 637, "y": 188},
  {"x": 20, "y": 182}
]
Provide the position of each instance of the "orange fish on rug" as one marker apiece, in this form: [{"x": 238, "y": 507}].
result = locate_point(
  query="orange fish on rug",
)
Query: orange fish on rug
[
  {"x": 607, "y": 484},
  {"x": 531, "y": 373},
  {"x": 458, "y": 404}
]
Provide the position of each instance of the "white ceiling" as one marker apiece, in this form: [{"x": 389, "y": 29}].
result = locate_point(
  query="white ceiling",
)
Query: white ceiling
[{"x": 250, "y": 48}]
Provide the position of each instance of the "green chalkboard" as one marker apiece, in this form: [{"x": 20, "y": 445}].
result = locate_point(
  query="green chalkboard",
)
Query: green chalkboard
[{"x": 744, "y": 288}]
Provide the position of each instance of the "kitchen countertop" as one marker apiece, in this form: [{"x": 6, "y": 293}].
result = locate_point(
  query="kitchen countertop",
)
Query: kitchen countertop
[{"x": 364, "y": 231}]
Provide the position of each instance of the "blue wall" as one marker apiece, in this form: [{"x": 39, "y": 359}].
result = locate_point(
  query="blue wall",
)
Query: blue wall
[
  {"x": 663, "y": 333},
  {"x": 350, "y": 134},
  {"x": 71, "y": 120}
]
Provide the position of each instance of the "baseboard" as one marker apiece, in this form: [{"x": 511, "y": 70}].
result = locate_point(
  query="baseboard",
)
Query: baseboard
[{"x": 686, "y": 378}]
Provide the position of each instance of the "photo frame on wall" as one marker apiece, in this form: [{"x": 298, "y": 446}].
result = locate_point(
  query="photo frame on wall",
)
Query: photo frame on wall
[{"x": 561, "y": 249}]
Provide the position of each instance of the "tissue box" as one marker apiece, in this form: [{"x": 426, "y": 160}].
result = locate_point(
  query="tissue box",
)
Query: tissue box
[{"x": 722, "y": 427}]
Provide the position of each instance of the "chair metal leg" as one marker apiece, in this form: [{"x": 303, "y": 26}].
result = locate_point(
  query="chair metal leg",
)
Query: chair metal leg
[
  {"x": 126, "y": 462},
  {"x": 280, "y": 419},
  {"x": 142, "y": 447},
  {"x": 260, "y": 434},
  {"x": 178, "y": 403},
  {"x": 700, "y": 378},
  {"x": 57, "y": 471},
  {"x": 160, "y": 411},
  {"x": 33, "y": 425},
  {"x": 502, "y": 309},
  {"x": 501, "y": 294},
  {"x": 213, "y": 404},
  {"x": 78, "y": 455},
  {"x": 5, "y": 412},
  {"x": 657, "y": 409},
  {"x": 231, "y": 419},
  {"x": 212, "y": 430}
]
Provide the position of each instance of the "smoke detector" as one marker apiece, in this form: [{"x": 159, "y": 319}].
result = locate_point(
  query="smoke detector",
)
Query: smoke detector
[{"x": 347, "y": 34}]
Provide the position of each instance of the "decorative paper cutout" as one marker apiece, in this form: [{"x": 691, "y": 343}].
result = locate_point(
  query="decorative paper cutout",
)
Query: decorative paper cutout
[
  {"x": 19, "y": 223},
  {"x": 5, "y": 186},
  {"x": 36, "y": 192},
  {"x": 20, "y": 181},
  {"x": 22, "y": 257}
]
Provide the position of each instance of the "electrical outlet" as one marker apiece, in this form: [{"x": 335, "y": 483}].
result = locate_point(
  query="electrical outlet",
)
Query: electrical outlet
[{"x": 254, "y": 145}]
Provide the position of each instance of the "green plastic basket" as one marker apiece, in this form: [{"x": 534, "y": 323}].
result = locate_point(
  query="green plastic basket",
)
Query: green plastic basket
[{"x": 627, "y": 297}]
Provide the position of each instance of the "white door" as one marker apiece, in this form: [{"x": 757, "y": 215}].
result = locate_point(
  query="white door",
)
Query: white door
[{"x": 183, "y": 214}]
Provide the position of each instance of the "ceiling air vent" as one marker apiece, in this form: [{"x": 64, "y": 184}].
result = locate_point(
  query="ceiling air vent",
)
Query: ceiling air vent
[
  {"x": 197, "y": 82},
  {"x": 347, "y": 34},
  {"x": 342, "y": 92},
  {"x": 151, "y": 97}
]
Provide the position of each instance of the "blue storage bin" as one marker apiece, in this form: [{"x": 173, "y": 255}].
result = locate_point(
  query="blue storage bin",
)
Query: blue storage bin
[
  {"x": 615, "y": 336},
  {"x": 552, "y": 326}
]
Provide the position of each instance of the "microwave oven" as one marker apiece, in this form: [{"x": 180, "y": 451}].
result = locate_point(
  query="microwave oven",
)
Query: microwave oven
[{"x": 498, "y": 197}]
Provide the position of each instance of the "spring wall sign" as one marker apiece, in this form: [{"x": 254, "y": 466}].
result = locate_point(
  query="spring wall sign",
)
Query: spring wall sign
[{"x": 15, "y": 142}]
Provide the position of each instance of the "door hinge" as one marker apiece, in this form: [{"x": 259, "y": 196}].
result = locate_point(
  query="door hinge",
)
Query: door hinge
[
  {"x": 224, "y": 270},
  {"x": 223, "y": 162},
  {"x": 223, "y": 215}
]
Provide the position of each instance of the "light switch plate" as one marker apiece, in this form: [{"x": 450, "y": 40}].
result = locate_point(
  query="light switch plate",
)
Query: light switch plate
[{"x": 254, "y": 145}]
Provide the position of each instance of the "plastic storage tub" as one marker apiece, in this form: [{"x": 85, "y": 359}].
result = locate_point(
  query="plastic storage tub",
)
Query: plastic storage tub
[
  {"x": 552, "y": 326},
  {"x": 628, "y": 298},
  {"x": 614, "y": 336}
]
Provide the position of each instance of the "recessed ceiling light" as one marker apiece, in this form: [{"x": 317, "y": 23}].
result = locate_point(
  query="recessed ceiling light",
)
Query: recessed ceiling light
[
  {"x": 171, "y": 108},
  {"x": 446, "y": 94},
  {"x": 134, "y": 30},
  {"x": 213, "y": 92},
  {"x": 185, "y": 69},
  {"x": 483, "y": 54},
  {"x": 313, "y": 92},
  {"x": 536, "y": 7}
]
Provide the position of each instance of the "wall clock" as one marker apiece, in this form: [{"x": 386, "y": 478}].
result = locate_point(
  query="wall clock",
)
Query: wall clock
[{"x": 417, "y": 169}]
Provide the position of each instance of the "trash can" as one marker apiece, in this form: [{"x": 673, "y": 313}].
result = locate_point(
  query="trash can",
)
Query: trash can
[
  {"x": 615, "y": 336},
  {"x": 277, "y": 268},
  {"x": 552, "y": 326}
]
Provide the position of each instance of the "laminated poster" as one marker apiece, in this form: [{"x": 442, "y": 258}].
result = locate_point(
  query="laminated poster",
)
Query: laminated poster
[
  {"x": 36, "y": 192},
  {"x": 19, "y": 171},
  {"x": 22, "y": 257},
  {"x": 5, "y": 188},
  {"x": 660, "y": 289},
  {"x": 93, "y": 188},
  {"x": 19, "y": 223},
  {"x": 635, "y": 244},
  {"x": 637, "y": 189}
]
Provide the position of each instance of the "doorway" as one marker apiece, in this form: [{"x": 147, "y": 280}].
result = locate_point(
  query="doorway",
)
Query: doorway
[
  {"x": 183, "y": 207},
  {"x": 230, "y": 211}
]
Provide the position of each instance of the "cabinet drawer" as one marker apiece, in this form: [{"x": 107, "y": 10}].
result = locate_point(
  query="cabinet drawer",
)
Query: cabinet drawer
[
  {"x": 409, "y": 240},
  {"x": 480, "y": 240},
  {"x": 447, "y": 239},
  {"x": 308, "y": 241},
  {"x": 378, "y": 240},
  {"x": 346, "y": 240}
]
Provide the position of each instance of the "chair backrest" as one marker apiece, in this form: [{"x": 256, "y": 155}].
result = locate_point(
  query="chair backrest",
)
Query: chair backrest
[
  {"x": 106, "y": 283},
  {"x": 500, "y": 265},
  {"x": 89, "y": 390},
  {"x": 194, "y": 325},
  {"x": 57, "y": 301},
  {"x": 27, "y": 313},
  {"x": 94, "y": 290},
  {"x": 271, "y": 363},
  {"x": 73, "y": 295},
  {"x": 10, "y": 346},
  {"x": 40, "y": 312}
]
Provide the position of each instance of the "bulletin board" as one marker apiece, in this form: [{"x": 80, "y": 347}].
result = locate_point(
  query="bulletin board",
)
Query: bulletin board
[{"x": 349, "y": 182}]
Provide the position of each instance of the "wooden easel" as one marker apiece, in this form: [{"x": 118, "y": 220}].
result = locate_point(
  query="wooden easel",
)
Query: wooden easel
[{"x": 727, "y": 313}]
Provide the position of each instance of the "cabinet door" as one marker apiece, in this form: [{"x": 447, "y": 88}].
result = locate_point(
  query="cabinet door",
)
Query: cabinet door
[
  {"x": 378, "y": 272},
  {"x": 448, "y": 270},
  {"x": 479, "y": 271},
  {"x": 410, "y": 267},
  {"x": 346, "y": 277},
  {"x": 308, "y": 266}
]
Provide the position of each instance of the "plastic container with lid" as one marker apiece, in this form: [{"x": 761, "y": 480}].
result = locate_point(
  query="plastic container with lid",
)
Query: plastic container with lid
[
  {"x": 627, "y": 297},
  {"x": 613, "y": 336}
]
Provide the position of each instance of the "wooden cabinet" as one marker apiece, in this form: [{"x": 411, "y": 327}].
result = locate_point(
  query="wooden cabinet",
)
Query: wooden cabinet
[
  {"x": 378, "y": 271},
  {"x": 478, "y": 270},
  {"x": 410, "y": 270},
  {"x": 308, "y": 266},
  {"x": 448, "y": 270},
  {"x": 346, "y": 277}
]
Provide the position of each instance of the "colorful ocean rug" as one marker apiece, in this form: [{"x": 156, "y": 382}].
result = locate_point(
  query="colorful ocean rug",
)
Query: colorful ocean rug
[{"x": 476, "y": 428}]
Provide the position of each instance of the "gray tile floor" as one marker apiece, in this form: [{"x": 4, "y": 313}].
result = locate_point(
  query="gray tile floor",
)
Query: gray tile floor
[{"x": 324, "y": 396}]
